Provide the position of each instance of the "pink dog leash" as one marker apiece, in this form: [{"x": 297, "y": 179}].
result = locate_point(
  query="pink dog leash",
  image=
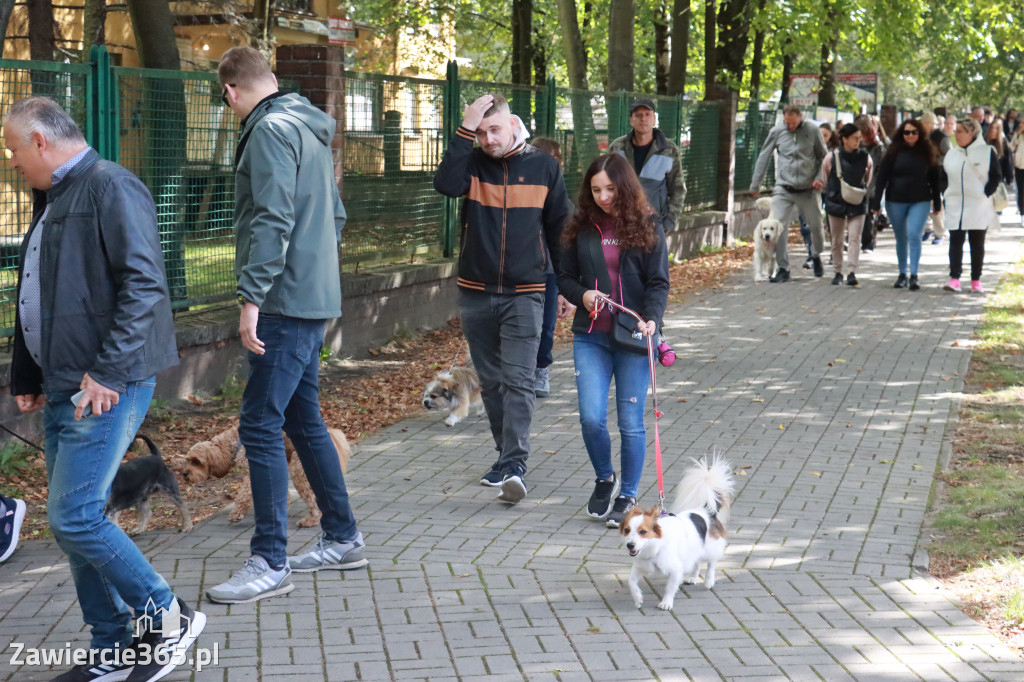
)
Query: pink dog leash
[{"x": 599, "y": 303}]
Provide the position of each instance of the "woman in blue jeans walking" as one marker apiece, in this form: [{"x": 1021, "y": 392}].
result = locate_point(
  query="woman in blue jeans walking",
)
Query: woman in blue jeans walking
[
  {"x": 613, "y": 247},
  {"x": 909, "y": 177}
]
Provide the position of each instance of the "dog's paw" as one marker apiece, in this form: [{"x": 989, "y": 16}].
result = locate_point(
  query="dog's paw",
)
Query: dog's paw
[
  {"x": 666, "y": 604},
  {"x": 690, "y": 580},
  {"x": 639, "y": 604},
  {"x": 235, "y": 517},
  {"x": 481, "y": 412},
  {"x": 309, "y": 521},
  {"x": 710, "y": 583},
  {"x": 451, "y": 420}
]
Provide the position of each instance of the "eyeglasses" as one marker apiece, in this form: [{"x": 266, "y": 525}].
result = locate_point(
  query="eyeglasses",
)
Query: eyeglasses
[
  {"x": 224, "y": 94},
  {"x": 910, "y": 131}
]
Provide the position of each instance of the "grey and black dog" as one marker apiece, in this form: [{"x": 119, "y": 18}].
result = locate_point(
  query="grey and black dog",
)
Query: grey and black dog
[{"x": 135, "y": 483}]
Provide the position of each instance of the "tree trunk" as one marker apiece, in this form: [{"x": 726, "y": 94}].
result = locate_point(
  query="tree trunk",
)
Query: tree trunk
[
  {"x": 787, "y": 72},
  {"x": 731, "y": 45},
  {"x": 710, "y": 53},
  {"x": 582, "y": 147},
  {"x": 540, "y": 61},
  {"x": 163, "y": 104},
  {"x": 6, "y": 7},
  {"x": 757, "y": 61},
  {"x": 680, "y": 47},
  {"x": 41, "y": 47},
  {"x": 94, "y": 20},
  {"x": 41, "y": 44},
  {"x": 661, "y": 50},
  {"x": 827, "y": 67},
  {"x": 620, "y": 45},
  {"x": 522, "y": 41}
]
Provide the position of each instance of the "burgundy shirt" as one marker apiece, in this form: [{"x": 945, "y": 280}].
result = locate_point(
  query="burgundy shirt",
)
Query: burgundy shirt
[{"x": 610, "y": 246}]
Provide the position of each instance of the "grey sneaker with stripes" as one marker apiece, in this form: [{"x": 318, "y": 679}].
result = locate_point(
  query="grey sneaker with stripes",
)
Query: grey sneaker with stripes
[
  {"x": 256, "y": 580},
  {"x": 342, "y": 556}
]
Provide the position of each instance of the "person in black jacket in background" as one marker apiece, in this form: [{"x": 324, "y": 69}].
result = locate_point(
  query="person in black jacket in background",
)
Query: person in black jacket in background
[
  {"x": 515, "y": 205},
  {"x": 909, "y": 178},
  {"x": 613, "y": 247}
]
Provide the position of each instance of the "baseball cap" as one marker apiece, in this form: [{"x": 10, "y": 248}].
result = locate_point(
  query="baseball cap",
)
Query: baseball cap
[{"x": 641, "y": 102}]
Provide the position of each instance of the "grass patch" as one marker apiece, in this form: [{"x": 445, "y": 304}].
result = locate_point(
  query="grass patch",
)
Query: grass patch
[{"x": 977, "y": 525}]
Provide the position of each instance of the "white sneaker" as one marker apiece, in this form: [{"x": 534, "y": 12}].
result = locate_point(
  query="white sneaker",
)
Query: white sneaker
[{"x": 256, "y": 580}]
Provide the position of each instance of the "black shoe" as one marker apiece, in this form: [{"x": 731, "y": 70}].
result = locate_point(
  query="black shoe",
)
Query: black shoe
[
  {"x": 819, "y": 269},
  {"x": 493, "y": 478},
  {"x": 851, "y": 280},
  {"x": 926, "y": 236},
  {"x": 167, "y": 648},
  {"x": 513, "y": 485},
  {"x": 866, "y": 249},
  {"x": 901, "y": 282},
  {"x": 98, "y": 672},
  {"x": 618, "y": 513},
  {"x": 781, "y": 275},
  {"x": 807, "y": 263},
  {"x": 914, "y": 286},
  {"x": 838, "y": 279},
  {"x": 601, "y": 501}
]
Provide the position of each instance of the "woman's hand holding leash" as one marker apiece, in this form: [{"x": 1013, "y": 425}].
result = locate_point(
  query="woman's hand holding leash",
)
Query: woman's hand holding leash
[{"x": 591, "y": 299}]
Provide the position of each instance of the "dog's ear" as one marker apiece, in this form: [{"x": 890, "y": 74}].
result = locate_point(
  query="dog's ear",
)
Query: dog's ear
[
  {"x": 624, "y": 526},
  {"x": 654, "y": 513}
]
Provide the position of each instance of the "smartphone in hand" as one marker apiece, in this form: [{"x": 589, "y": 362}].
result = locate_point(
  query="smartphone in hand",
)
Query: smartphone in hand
[{"x": 76, "y": 398}]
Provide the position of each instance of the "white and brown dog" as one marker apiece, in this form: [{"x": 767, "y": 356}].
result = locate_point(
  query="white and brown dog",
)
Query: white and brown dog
[
  {"x": 456, "y": 390},
  {"x": 676, "y": 544},
  {"x": 767, "y": 234},
  {"x": 216, "y": 457}
]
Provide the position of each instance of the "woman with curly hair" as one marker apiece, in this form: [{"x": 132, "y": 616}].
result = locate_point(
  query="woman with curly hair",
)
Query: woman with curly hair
[
  {"x": 909, "y": 177},
  {"x": 613, "y": 247}
]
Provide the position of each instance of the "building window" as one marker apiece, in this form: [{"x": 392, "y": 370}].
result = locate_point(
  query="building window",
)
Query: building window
[{"x": 296, "y": 6}]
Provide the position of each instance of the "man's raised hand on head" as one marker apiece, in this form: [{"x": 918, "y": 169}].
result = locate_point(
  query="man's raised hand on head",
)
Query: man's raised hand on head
[{"x": 474, "y": 113}]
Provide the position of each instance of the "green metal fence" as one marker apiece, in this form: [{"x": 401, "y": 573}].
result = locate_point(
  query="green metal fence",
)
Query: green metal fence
[
  {"x": 171, "y": 129},
  {"x": 752, "y": 127}
]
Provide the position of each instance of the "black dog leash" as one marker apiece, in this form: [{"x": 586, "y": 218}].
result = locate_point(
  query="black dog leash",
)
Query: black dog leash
[{"x": 23, "y": 440}]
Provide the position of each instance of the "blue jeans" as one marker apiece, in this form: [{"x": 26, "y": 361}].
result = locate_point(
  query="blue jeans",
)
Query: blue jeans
[
  {"x": 503, "y": 333},
  {"x": 282, "y": 394},
  {"x": 547, "y": 329},
  {"x": 596, "y": 363},
  {"x": 907, "y": 222},
  {"x": 112, "y": 576}
]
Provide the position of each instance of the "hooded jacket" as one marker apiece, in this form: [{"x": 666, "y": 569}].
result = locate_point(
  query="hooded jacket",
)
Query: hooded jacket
[
  {"x": 973, "y": 173},
  {"x": 104, "y": 300},
  {"x": 799, "y": 160},
  {"x": 512, "y": 208},
  {"x": 661, "y": 175},
  {"x": 288, "y": 213}
]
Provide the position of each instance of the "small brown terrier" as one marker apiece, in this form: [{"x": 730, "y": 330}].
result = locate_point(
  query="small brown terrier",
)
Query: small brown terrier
[{"x": 216, "y": 457}]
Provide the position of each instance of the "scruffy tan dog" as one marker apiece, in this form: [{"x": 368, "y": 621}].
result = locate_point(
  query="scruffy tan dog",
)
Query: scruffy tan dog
[
  {"x": 216, "y": 457},
  {"x": 456, "y": 390}
]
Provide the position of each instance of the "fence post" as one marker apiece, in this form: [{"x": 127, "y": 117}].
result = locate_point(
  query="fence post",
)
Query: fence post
[
  {"x": 550, "y": 114},
  {"x": 450, "y": 122},
  {"x": 101, "y": 121}
]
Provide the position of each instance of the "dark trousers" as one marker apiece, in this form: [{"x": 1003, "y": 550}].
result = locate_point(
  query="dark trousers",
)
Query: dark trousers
[
  {"x": 503, "y": 332},
  {"x": 1018, "y": 174},
  {"x": 547, "y": 330},
  {"x": 956, "y": 252},
  {"x": 867, "y": 235},
  {"x": 282, "y": 394}
]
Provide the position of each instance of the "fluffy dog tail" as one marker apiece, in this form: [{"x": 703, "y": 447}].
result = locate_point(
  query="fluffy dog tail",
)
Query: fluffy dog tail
[
  {"x": 708, "y": 485},
  {"x": 764, "y": 205}
]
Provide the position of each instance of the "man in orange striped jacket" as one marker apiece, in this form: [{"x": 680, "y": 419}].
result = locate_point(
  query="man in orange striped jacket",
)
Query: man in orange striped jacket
[{"x": 513, "y": 211}]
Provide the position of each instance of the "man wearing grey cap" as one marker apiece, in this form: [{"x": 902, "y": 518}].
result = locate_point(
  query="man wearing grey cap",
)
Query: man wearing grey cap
[{"x": 655, "y": 159}]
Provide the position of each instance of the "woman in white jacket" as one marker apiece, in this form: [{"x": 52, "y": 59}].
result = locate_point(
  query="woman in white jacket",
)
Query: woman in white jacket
[{"x": 973, "y": 171}]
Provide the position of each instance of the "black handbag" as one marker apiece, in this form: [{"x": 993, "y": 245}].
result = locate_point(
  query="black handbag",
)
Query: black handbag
[{"x": 624, "y": 335}]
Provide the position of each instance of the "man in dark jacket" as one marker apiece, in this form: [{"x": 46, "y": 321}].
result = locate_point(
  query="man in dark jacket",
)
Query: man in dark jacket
[
  {"x": 90, "y": 337},
  {"x": 288, "y": 220},
  {"x": 515, "y": 204},
  {"x": 655, "y": 158}
]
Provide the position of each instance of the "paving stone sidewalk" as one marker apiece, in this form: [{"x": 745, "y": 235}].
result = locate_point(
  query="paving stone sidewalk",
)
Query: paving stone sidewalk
[{"x": 839, "y": 404}]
